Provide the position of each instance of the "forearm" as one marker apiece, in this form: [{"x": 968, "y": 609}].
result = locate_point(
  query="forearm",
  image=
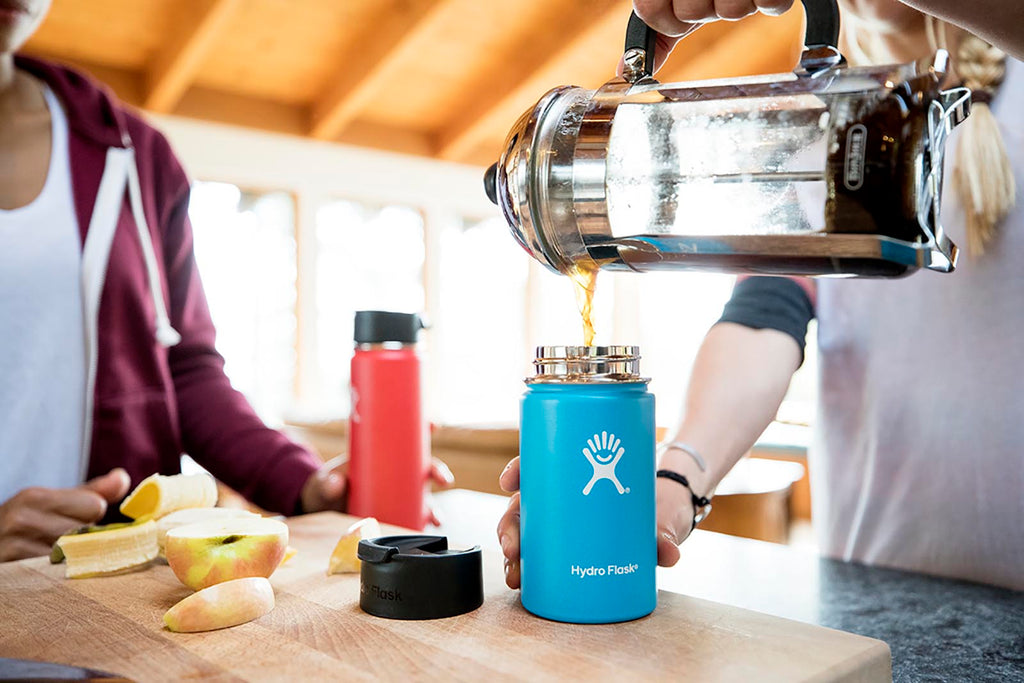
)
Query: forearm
[
  {"x": 738, "y": 380},
  {"x": 223, "y": 433},
  {"x": 1000, "y": 22}
]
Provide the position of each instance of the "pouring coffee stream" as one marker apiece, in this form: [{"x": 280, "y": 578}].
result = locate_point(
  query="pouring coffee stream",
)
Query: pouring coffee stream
[{"x": 829, "y": 170}]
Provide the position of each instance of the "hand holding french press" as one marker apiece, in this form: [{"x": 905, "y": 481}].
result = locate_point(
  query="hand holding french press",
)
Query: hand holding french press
[{"x": 675, "y": 19}]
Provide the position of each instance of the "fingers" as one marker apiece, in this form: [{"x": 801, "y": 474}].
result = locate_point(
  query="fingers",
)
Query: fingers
[
  {"x": 668, "y": 549},
  {"x": 693, "y": 11},
  {"x": 81, "y": 504},
  {"x": 112, "y": 486},
  {"x": 440, "y": 474},
  {"x": 508, "y": 480},
  {"x": 325, "y": 489},
  {"x": 16, "y": 548},
  {"x": 773, "y": 7},
  {"x": 37, "y": 525},
  {"x": 508, "y": 537},
  {"x": 674, "y": 512},
  {"x": 734, "y": 10},
  {"x": 28, "y": 528},
  {"x": 661, "y": 15},
  {"x": 676, "y": 18}
]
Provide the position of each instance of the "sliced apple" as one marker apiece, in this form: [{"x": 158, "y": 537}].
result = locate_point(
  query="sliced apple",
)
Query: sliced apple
[
  {"x": 344, "y": 559},
  {"x": 193, "y": 515},
  {"x": 226, "y": 604},
  {"x": 206, "y": 553},
  {"x": 289, "y": 553}
]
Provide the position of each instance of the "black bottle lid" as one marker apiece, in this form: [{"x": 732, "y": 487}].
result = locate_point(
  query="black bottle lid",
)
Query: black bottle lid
[
  {"x": 418, "y": 577},
  {"x": 377, "y": 327}
]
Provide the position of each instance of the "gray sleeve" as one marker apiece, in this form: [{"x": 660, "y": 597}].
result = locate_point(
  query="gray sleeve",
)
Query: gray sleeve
[{"x": 776, "y": 303}]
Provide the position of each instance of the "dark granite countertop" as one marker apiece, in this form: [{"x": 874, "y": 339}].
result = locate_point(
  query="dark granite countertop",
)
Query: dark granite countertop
[{"x": 937, "y": 629}]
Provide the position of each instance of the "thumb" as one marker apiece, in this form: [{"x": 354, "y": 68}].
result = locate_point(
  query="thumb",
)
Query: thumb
[
  {"x": 675, "y": 520},
  {"x": 333, "y": 486},
  {"x": 325, "y": 490},
  {"x": 668, "y": 547},
  {"x": 112, "y": 486}
]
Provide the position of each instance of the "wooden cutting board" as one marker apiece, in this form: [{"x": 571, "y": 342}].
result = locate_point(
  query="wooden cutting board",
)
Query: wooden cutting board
[{"x": 318, "y": 632}]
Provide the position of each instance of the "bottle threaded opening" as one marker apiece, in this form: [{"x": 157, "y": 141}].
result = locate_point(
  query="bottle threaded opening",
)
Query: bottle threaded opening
[{"x": 586, "y": 364}]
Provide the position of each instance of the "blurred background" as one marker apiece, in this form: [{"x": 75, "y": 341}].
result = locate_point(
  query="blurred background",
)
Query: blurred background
[{"x": 337, "y": 149}]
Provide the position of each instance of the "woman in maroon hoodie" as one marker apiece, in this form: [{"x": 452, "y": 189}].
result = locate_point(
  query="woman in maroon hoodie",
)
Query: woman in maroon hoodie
[{"x": 108, "y": 371}]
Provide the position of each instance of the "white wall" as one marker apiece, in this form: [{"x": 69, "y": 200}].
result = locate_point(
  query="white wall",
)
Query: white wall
[
  {"x": 317, "y": 172},
  {"x": 258, "y": 159}
]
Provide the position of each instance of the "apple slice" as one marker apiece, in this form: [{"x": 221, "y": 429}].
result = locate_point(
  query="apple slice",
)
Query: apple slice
[
  {"x": 205, "y": 553},
  {"x": 226, "y": 604},
  {"x": 193, "y": 515},
  {"x": 344, "y": 559},
  {"x": 289, "y": 553}
]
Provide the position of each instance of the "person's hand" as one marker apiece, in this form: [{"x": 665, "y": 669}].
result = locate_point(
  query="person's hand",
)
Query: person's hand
[
  {"x": 32, "y": 519},
  {"x": 326, "y": 488},
  {"x": 508, "y": 525},
  {"x": 674, "y": 19},
  {"x": 674, "y": 515}
]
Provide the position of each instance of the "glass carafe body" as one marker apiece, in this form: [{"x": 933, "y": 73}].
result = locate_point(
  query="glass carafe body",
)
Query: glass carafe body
[{"x": 835, "y": 173}]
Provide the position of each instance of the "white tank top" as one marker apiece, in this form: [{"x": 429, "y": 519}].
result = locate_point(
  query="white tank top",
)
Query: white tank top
[
  {"x": 918, "y": 458},
  {"x": 42, "y": 343}
]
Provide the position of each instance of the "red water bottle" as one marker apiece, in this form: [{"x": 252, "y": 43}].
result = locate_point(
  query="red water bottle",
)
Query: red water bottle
[{"x": 389, "y": 452}]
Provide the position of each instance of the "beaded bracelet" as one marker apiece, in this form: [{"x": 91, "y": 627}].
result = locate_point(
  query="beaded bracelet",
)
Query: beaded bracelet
[{"x": 701, "y": 504}]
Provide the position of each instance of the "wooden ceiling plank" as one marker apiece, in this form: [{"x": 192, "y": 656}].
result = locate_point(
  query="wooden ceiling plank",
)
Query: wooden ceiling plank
[
  {"x": 717, "y": 50},
  {"x": 370, "y": 65},
  {"x": 176, "y": 65},
  {"x": 465, "y": 132}
]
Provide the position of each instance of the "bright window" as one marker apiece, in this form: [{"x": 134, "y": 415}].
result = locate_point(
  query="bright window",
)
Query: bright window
[
  {"x": 367, "y": 258},
  {"x": 477, "y": 342},
  {"x": 487, "y": 302},
  {"x": 245, "y": 249}
]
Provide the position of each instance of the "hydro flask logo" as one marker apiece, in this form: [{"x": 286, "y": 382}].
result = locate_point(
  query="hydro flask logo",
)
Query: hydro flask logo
[{"x": 603, "y": 453}]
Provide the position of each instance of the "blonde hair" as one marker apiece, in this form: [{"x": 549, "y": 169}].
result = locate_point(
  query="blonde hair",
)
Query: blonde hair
[{"x": 982, "y": 177}]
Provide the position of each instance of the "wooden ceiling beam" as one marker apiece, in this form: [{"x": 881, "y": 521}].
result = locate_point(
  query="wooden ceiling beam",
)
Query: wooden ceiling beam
[
  {"x": 370, "y": 63},
  {"x": 214, "y": 106},
  {"x": 176, "y": 65},
  {"x": 547, "y": 48},
  {"x": 718, "y": 50}
]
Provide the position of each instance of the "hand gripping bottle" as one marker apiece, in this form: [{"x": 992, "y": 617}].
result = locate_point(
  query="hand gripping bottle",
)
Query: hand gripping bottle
[
  {"x": 588, "y": 544},
  {"x": 389, "y": 453}
]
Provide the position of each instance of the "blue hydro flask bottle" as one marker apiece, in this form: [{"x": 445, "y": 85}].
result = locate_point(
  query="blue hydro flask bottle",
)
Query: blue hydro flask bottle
[{"x": 589, "y": 546}]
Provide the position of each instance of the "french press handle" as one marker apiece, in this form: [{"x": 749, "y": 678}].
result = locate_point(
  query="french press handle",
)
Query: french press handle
[{"x": 821, "y": 40}]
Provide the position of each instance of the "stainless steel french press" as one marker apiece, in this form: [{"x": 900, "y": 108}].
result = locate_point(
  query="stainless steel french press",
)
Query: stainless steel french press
[{"x": 829, "y": 170}]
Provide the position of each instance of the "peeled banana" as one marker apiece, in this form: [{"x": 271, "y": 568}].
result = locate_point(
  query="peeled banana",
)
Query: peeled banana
[
  {"x": 158, "y": 495},
  {"x": 108, "y": 551},
  {"x": 57, "y": 555}
]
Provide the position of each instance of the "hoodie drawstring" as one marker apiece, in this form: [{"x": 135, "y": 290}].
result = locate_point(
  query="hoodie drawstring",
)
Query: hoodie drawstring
[{"x": 165, "y": 334}]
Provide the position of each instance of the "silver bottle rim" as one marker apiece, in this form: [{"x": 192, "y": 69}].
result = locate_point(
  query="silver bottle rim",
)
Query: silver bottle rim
[{"x": 586, "y": 365}]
